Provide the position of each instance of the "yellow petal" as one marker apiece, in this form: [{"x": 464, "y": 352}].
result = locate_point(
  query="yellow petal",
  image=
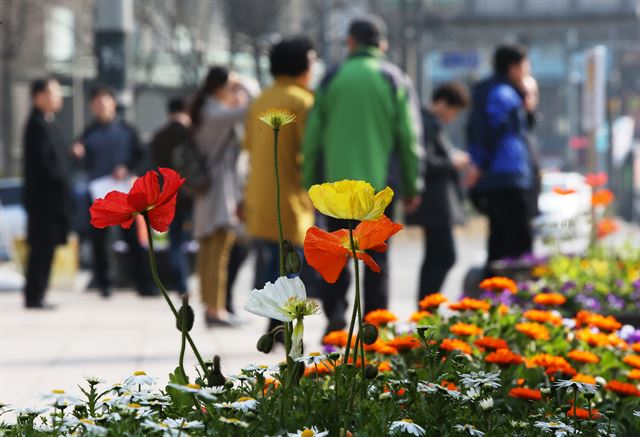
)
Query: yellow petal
[{"x": 347, "y": 199}]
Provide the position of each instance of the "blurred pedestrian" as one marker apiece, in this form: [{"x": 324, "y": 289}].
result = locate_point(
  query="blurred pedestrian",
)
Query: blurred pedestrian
[
  {"x": 531, "y": 97},
  {"x": 47, "y": 194},
  {"x": 497, "y": 143},
  {"x": 441, "y": 206},
  {"x": 110, "y": 150},
  {"x": 291, "y": 63},
  {"x": 365, "y": 110},
  {"x": 219, "y": 107},
  {"x": 163, "y": 146}
]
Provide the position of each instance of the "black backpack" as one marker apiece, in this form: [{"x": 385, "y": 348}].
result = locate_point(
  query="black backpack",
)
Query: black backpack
[{"x": 192, "y": 165}]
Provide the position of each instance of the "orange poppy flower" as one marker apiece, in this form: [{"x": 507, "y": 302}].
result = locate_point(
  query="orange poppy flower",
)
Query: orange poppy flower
[
  {"x": 380, "y": 317},
  {"x": 465, "y": 329},
  {"x": 636, "y": 347},
  {"x": 504, "y": 357},
  {"x": 525, "y": 393},
  {"x": 606, "y": 226},
  {"x": 328, "y": 252},
  {"x": 336, "y": 338},
  {"x": 632, "y": 360},
  {"x": 404, "y": 343},
  {"x": 581, "y": 377},
  {"x": 491, "y": 343},
  {"x": 323, "y": 368},
  {"x": 623, "y": 388},
  {"x": 582, "y": 413},
  {"x": 270, "y": 383},
  {"x": 533, "y": 330},
  {"x": 596, "y": 179},
  {"x": 419, "y": 315},
  {"x": 498, "y": 284},
  {"x": 602, "y": 197},
  {"x": 583, "y": 356},
  {"x": 469, "y": 303},
  {"x": 384, "y": 366},
  {"x": 549, "y": 299},
  {"x": 432, "y": 300},
  {"x": 542, "y": 316},
  {"x": 453, "y": 344},
  {"x": 563, "y": 191},
  {"x": 634, "y": 374},
  {"x": 449, "y": 385}
]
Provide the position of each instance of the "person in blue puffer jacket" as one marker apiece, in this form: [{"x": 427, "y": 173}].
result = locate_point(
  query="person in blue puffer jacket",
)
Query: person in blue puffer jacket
[{"x": 497, "y": 143}]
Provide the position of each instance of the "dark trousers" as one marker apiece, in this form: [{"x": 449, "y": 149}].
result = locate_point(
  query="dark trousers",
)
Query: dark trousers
[
  {"x": 239, "y": 253},
  {"x": 439, "y": 257},
  {"x": 510, "y": 230},
  {"x": 376, "y": 286},
  {"x": 177, "y": 256},
  {"x": 138, "y": 259},
  {"x": 43, "y": 237}
]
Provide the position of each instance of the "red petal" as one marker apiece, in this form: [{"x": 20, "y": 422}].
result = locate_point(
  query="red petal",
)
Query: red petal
[
  {"x": 161, "y": 216},
  {"x": 171, "y": 182},
  {"x": 145, "y": 192},
  {"x": 368, "y": 261},
  {"x": 112, "y": 210},
  {"x": 373, "y": 234},
  {"x": 325, "y": 253}
]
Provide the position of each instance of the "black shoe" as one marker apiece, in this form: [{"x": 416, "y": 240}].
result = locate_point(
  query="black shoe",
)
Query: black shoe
[
  {"x": 149, "y": 293},
  {"x": 105, "y": 292},
  {"x": 40, "y": 306},
  {"x": 228, "y": 323}
]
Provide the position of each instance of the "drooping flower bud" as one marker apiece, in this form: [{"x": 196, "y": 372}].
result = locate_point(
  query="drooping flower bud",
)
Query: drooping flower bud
[
  {"x": 370, "y": 371},
  {"x": 292, "y": 263},
  {"x": 369, "y": 333},
  {"x": 265, "y": 343},
  {"x": 185, "y": 313}
]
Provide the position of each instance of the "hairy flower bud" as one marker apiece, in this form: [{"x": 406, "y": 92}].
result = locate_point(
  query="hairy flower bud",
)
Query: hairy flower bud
[
  {"x": 265, "y": 343},
  {"x": 369, "y": 333},
  {"x": 185, "y": 313},
  {"x": 370, "y": 371},
  {"x": 292, "y": 263}
]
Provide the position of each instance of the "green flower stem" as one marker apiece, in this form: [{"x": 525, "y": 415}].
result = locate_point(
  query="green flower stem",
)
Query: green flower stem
[
  {"x": 156, "y": 279},
  {"x": 357, "y": 310},
  {"x": 278, "y": 213},
  {"x": 575, "y": 410},
  {"x": 356, "y": 302},
  {"x": 183, "y": 343}
]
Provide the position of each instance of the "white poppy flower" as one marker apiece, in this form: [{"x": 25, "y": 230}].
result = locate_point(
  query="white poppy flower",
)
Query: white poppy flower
[
  {"x": 407, "y": 426},
  {"x": 469, "y": 429},
  {"x": 308, "y": 432},
  {"x": 139, "y": 378},
  {"x": 314, "y": 358}
]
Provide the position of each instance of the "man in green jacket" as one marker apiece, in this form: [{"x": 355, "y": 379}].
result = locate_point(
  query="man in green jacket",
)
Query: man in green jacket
[{"x": 365, "y": 122}]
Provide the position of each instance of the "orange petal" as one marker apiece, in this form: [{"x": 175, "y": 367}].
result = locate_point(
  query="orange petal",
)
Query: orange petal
[
  {"x": 325, "y": 253},
  {"x": 373, "y": 234}
]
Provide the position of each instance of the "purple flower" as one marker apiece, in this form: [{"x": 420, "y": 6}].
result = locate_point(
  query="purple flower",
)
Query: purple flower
[
  {"x": 636, "y": 284},
  {"x": 615, "y": 302},
  {"x": 588, "y": 287},
  {"x": 634, "y": 337},
  {"x": 327, "y": 349},
  {"x": 588, "y": 302},
  {"x": 619, "y": 283},
  {"x": 568, "y": 286}
]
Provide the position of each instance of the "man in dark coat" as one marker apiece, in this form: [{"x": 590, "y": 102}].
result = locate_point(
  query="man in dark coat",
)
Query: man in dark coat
[
  {"x": 441, "y": 206},
  {"x": 47, "y": 197}
]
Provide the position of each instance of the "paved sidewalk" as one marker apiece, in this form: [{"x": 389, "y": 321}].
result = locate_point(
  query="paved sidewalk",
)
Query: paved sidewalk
[{"x": 86, "y": 335}]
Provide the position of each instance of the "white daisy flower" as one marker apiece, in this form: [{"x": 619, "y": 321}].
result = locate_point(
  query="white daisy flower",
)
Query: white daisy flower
[
  {"x": 259, "y": 368},
  {"x": 636, "y": 413},
  {"x": 314, "y": 358},
  {"x": 407, "y": 426},
  {"x": 94, "y": 380},
  {"x": 487, "y": 403},
  {"x": 136, "y": 409},
  {"x": 89, "y": 425},
  {"x": 469, "y": 429},
  {"x": 32, "y": 411},
  {"x": 60, "y": 398},
  {"x": 215, "y": 390},
  {"x": 286, "y": 300},
  {"x": 44, "y": 427},
  {"x": 243, "y": 404},
  {"x": 139, "y": 378},
  {"x": 428, "y": 387},
  {"x": 480, "y": 379},
  {"x": 559, "y": 429},
  {"x": 308, "y": 432},
  {"x": 519, "y": 424},
  {"x": 234, "y": 421},
  {"x": 582, "y": 387},
  {"x": 193, "y": 389}
]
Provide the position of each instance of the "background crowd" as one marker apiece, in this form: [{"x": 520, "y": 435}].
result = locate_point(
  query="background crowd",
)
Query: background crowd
[{"x": 363, "y": 122}]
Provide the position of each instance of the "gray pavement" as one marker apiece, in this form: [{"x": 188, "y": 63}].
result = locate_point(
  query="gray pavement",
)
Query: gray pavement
[{"x": 89, "y": 336}]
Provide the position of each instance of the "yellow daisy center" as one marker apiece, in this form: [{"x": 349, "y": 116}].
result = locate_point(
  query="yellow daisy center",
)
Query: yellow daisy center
[
  {"x": 314, "y": 354},
  {"x": 195, "y": 386},
  {"x": 87, "y": 421},
  {"x": 245, "y": 399},
  {"x": 134, "y": 405},
  {"x": 307, "y": 433},
  {"x": 263, "y": 366},
  {"x": 57, "y": 392},
  {"x": 407, "y": 420},
  {"x": 140, "y": 373}
]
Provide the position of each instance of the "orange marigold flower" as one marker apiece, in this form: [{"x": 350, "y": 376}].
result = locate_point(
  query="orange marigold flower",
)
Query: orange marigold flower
[
  {"x": 419, "y": 315},
  {"x": 270, "y": 383},
  {"x": 632, "y": 360},
  {"x": 504, "y": 357},
  {"x": 384, "y": 366},
  {"x": 380, "y": 317},
  {"x": 533, "y": 330},
  {"x": 432, "y": 300},
  {"x": 498, "y": 284},
  {"x": 323, "y": 368},
  {"x": 503, "y": 309},
  {"x": 602, "y": 197},
  {"x": 491, "y": 343},
  {"x": 543, "y": 316},
  {"x": 469, "y": 303},
  {"x": 583, "y": 356},
  {"x": 563, "y": 191},
  {"x": 520, "y": 381},
  {"x": 608, "y": 323},
  {"x": 582, "y": 318},
  {"x": 606, "y": 226},
  {"x": 636, "y": 347},
  {"x": 465, "y": 329},
  {"x": 336, "y": 338},
  {"x": 547, "y": 360},
  {"x": 564, "y": 369},
  {"x": 634, "y": 374},
  {"x": 593, "y": 338},
  {"x": 451, "y": 344},
  {"x": 404, "y": 343},
  {"x": 381, "y": 347},
  {"x": 581, "y": 377},
  {"x": 449, "y": 385},
  {"x": 525, "y": 393},
  {"x": 549, "y": 299},
  {"x": 582, "y": 413},
  {"x": 623, "y": 388}
]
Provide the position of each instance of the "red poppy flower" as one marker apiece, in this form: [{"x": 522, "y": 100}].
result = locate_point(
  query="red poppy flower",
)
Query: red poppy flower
[
  {"x": 119, "y": 208},
  {"x": 328, "y": 252}
]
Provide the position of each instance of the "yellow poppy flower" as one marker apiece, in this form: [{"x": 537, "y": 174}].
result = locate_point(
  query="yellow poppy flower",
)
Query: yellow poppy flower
[
  {"x": 276, "y": 118},
  {"x": 355, "y": 200}
]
